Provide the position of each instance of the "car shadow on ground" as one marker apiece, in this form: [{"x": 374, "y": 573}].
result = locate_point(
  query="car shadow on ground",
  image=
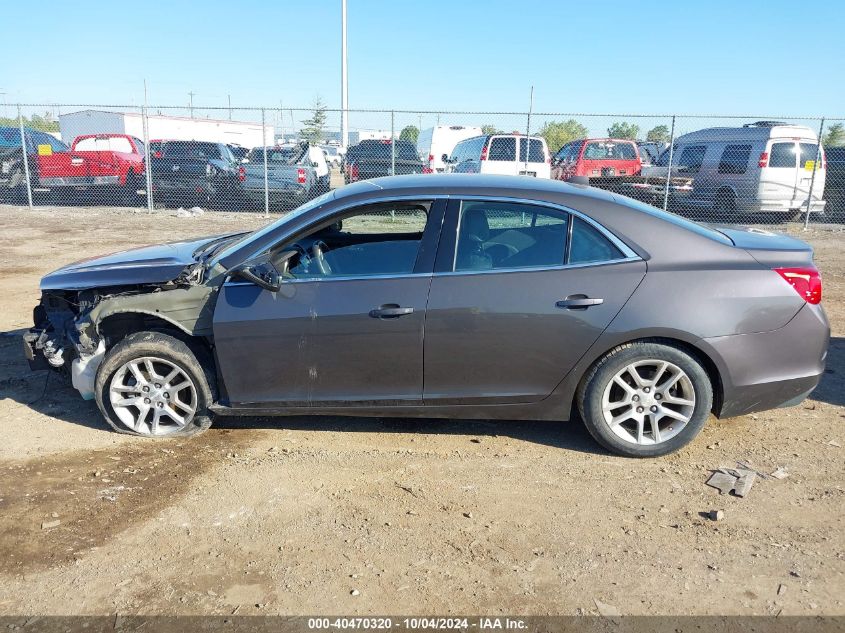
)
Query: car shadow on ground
[
  {"x": 51, "y": 394},
  {"x": 831, "y": 389}
]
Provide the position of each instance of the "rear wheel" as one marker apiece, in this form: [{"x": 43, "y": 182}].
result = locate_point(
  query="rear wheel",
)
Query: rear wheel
[
  {"x": 645, "y": 399},
  {"x": 152, "y": 384}
]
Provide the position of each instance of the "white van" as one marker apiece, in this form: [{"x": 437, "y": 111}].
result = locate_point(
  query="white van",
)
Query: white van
[
  {"x": 765, "y": 166},
  {"x": 502, "y": 154},
  {"x": 436, "y": 141}
]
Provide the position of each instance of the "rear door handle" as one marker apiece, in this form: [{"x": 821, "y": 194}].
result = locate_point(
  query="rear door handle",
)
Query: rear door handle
[
  {"x": 578, "y": 302},
  {"x": 390, "y": 311}
]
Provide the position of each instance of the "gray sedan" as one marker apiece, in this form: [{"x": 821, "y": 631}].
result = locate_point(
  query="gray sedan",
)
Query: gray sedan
[{"x": 446, "y": 296}]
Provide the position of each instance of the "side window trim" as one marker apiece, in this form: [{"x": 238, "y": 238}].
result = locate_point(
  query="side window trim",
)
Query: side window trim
[{"x": 447, "y": 250}]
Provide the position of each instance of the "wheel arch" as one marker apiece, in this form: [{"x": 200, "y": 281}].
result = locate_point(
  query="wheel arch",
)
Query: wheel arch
[
  {"x": 117, "y": 325},
  {"x": 696, "y": 348}
]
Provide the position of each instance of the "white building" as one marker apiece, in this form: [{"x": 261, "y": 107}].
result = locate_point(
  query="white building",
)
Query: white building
[
  {"x": 356, "y": 136},
  {"x": 178, "y": 128}
]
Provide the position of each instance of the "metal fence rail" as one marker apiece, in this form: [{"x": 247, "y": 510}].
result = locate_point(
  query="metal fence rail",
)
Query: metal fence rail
[{"x": 744, "y": 169}]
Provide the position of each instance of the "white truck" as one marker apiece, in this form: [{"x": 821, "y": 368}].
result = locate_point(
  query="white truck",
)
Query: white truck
[{"x": 435, "y": 141}]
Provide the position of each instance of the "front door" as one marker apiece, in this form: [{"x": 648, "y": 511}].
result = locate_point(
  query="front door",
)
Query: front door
[
  {"x": 346, "y": 327},
  {"x": 530, "y": 290}
]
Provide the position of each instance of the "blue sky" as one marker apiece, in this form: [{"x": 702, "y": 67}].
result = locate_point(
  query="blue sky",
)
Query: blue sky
[{"x": 715, "y": 57}]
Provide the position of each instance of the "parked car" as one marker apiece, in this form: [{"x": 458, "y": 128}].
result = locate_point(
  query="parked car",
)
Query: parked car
[
  {"x": 436, "y": 142},
  {"x": 498, "y": 154},
  {"x": 196, "y": 172},
  {"x": 765, "y": 166},
  {"x": 834, "y": 190},
  {"x": 524, "y": 297},
  {"x": 332, "y": 155},
  {"x": 372, "y": 158},
  {"x": 650, "y": 151},
  {"x": 597, "y": 158},
  {"x": 238, "y": 151},
  {"x": 109, "y": 164},
  {"x": 291, "y": 177}
]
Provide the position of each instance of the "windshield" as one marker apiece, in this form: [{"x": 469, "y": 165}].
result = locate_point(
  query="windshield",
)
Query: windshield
[{"x": 259, "y": 233}]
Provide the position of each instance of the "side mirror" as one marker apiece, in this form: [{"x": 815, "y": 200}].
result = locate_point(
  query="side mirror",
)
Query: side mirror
[
  {"x": 261, "y": 273},
  {"x": 444, "y": 158}
]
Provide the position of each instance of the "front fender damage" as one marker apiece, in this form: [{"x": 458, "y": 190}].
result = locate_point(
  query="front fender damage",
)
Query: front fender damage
[{"x": 81, "y": 327}]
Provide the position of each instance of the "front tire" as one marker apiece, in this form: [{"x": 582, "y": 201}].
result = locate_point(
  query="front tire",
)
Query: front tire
[
  {"x": 152, "y": 384},
  {"x": 645, "y": 399}
]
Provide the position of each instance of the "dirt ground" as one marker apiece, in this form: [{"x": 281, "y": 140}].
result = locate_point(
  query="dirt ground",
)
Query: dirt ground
[{"x": 352, "y": 516}]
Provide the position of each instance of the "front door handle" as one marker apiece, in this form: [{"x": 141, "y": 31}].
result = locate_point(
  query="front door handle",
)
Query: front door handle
[
  {"x": 578, "y": 302},
  {"x": 390, "y": 311}
]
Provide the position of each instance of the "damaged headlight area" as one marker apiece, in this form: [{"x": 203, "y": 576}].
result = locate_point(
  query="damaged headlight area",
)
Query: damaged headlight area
[{"x": 73, "y": 329}]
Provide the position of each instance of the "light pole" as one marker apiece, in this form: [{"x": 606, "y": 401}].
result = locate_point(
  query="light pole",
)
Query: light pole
[
  {"x": 344, "y": 96},
  {"x": 191, "y": 103}
]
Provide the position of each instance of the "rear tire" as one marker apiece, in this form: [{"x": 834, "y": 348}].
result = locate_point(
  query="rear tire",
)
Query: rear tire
[
  {"x": 654, "y": 413},
  {"x": 152, "y": 384}
]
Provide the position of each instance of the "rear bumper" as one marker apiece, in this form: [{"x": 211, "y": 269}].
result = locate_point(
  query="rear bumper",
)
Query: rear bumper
[
  {"x": 80, "y": 181},
  {"x": 773, "y": 369},
  {"x": 779, "y": 206}
]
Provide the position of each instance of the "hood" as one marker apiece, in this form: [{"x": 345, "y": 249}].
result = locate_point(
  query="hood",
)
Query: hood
[{"x": 146, "y": 265}]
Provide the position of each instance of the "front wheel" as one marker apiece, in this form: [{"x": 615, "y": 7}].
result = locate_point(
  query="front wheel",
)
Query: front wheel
[
  {"x": 645, "y": 399},
  {"x": 152, "y": 384}
]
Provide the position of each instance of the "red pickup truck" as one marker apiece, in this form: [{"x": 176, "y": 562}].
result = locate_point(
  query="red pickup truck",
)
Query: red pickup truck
[{"x": 108, "y": 163}]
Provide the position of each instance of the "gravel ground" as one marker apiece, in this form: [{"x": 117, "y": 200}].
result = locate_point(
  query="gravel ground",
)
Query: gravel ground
[{"x": 355, "y": 516}]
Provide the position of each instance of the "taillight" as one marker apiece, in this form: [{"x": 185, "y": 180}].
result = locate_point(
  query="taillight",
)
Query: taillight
[
  {"x": 484, "y": 152},
  {"x": 427, "y": 170},
  {"x": 241, "y": 174},
  {"x": 764, "y": 159},
  {"x": 300, "y": 176},
  {"x": 824, "y": 160},
  {"x": 807, "y": 282},
  {"x": 430, "y": 158},
  {"x": 156, "y": 154}
]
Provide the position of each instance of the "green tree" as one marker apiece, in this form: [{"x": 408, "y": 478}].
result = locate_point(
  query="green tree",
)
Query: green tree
[
  {"x": 835, "y": 136},
  {"x": 489, "y": 128},
  {"x": 409, "y": 133},
  {"x": 559, "y": 133},
  {"x": 624, "y": 130},
  {"x": 658, "y": 134},
  {"x": 313, "y": 130},
  {"x": 44, "y": 123}
]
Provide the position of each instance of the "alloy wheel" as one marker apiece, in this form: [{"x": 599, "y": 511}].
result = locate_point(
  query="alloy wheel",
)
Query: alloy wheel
[
  {"x": 153, "y": 396},
  {"x": 648, "y": 402}
]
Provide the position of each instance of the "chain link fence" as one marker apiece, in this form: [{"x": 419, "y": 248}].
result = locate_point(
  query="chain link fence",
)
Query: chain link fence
[{"x": 750, "y": 170}]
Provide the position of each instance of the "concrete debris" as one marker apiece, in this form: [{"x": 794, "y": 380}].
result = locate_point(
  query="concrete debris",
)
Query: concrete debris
[
  {"x": 607, "y": 610},
  {"x": 736, "y": 480},
  {"x": 354, "y": 592},
  {"x": 46, "y": 525},
  {"x": 834, "y": 443},
  {"x": 182, "y": 212},
  {"x": 717, "y": 515},
  {"x": 779, "y": 473},
  {"x": 781, "y": 589}
]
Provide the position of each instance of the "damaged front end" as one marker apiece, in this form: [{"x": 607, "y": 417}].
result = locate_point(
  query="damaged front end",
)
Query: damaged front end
[{"x": 73, "y": 329}]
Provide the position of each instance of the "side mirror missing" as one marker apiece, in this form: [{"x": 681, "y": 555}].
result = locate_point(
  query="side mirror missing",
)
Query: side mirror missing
[{"x": 261, "y": 273}]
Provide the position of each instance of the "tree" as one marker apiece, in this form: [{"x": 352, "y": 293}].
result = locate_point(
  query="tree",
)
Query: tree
[
  {"x": 44, "y": 123},
  {"x": 313, "y": 130},
  {"x": 835, "y": 136},
  {"x": 409, "y": 133},
  {"x": 659, "y": 134},
  {"x": 559, "y": 133},
  {"x": 489, "y": 128},
  {"x": 624, "y": 130}
]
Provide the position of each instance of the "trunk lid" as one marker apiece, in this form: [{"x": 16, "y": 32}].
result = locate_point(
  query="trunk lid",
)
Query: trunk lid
[{"x": 768, "y": 248}]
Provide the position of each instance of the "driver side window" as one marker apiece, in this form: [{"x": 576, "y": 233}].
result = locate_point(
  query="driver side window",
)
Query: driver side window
[{"x": 377, "y": 240}]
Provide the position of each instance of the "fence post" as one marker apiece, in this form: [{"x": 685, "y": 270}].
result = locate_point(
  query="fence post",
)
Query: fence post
[
  {"x": 25, "y": 159},
  {"x": 392, "y": 144},
  {"x": 148, "y": 174},
  {"x": 816, "y": 165},
  {"x": 669, "y": 172},
  {"x": 266, "y": 178}
]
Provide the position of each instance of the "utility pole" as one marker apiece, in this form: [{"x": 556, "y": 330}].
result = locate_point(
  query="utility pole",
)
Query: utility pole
[
  {"x": 191, "y": 103},
  {"x": 5, "y": 111},
  {"x": 229, "y": 97},
  {"x": 344, "y": 82}
]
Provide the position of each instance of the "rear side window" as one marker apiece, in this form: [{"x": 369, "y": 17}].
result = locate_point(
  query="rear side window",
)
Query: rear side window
[
  {"x": 691, "y": 158},
  {"x": 192, "y": 150},
  {"x": 589, "y": 246},
  {"x": 502, "y": 148},
  {"x": 782, "y": 155},
  {"x": 735, "y": 159},
  {"x": 536, "y": 153}
]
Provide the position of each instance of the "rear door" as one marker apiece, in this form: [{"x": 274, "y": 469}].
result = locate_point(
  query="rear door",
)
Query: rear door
[
  {"x": 809, "y": 161},
  {"x": 501, "y": 156},
  {"x": 520, "y": 292},
  {"x": 534, "y": 161},
  {"x": 780, "y": 178}
]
